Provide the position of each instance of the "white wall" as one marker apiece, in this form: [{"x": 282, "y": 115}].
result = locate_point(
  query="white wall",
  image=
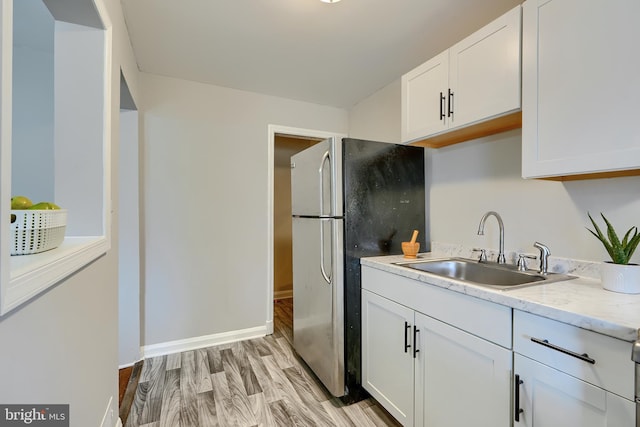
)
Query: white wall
[
  {"x": 378, "y": 117},
  {"x": 32, "y": 122},
  {"x": 129, "y": 241},
  {"x": 61, "y": 347},
  {"x": 205, "y": 203},
  {"x": 474, "y": 177},
  {"x": 471, "y": 178}
]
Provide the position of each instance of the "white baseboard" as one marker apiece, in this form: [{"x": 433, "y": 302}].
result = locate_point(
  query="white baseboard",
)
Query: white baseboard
[
  {"x": 283, "y": 294},
  {"x": 119, "y": 423},
  {"x": 177, "y": 346},
  {"x": 128, "y": 365}
]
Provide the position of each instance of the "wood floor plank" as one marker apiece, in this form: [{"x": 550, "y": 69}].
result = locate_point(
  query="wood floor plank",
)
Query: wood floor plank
[
  {"x": 153, "y": 403},
  {"x": 215, "y": 361},
  {"x": 249, "y": 380},
  {"x": 207, "y": 409},
  {"x": 335, "y": 410},
  {"x": 319, "y": 391},
  {"x": 357, "y": 416},
  {"x": 379, "y": 417},
  {"x": 203, "y": 375},
  {"x": 278, "y": 355},
  {"x": 260, "y": 382},
  {"x": 320, "y": 416},
  {"x": 279, "y": 379},
  {"x": 126, "y": 398},
  {"x": 188, "y": 390},
  {"x": 222, "y": 398},
  {"x": 288, "y": 352},
  {"x": 241, "y": 408},
  {"x": 280, "y": 414},
  {"x": 299, "y": 414},
  {"x": 138, "y": 403},
  {"x": 151, "y": 368},
  {"x": 262, "y": 411},
  {"x": 170, "y": 410},
  {"x": 173, "y": 361},
  {"x": 262, "y": 346},
  {"x": 264, "y": 379}
]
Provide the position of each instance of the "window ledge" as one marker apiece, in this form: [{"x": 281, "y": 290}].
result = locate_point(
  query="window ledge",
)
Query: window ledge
[{"x": 32, "y": 274}]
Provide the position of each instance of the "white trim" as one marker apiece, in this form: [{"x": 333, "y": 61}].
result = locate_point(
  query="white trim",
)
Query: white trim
[
  {"x": 178, "y": 346},
  {"x": 33, "y": 275},
  {"x": 282, "y": 130},
  {"x": 108, "y": 105},
  {"x": 107, "y": 418},
  {"x": 269, "y": 325},
  {"x": 6, "y": 112},
  {"x": 129, "y": 365},
  {"x": 119, "y": 423},
  {"x": 283, "y": 294}
]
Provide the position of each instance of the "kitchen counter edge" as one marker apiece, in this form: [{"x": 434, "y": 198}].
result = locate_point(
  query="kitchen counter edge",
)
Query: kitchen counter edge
[{"x": 580, "y": 302}]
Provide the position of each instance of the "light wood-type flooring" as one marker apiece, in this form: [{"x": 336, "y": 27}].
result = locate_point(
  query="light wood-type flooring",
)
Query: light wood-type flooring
[{"x": 258, "y": 382}]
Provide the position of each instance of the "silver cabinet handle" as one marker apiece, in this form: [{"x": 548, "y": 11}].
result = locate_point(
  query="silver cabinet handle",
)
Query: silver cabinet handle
[{"x": 584, "y": 357}]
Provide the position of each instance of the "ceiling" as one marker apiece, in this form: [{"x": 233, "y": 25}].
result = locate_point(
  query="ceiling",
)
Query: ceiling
[{"x": 329, "y": 54}]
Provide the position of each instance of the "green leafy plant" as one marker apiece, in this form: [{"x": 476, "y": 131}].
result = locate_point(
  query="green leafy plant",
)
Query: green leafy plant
[{"x": 620, "y": 251}]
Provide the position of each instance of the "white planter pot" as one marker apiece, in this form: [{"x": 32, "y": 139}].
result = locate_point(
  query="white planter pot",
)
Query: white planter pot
[{"x": 621, "y": 278}]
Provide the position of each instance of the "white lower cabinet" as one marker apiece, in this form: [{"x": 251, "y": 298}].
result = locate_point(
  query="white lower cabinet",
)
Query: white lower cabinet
[
  {"x": 438, "y": 358},
  {"x": 387, "y": 355},
  {"x": 460, "y": 380},
  {"x": 550, "y": 398},
  {"x": 570, "y": 377},
  {"x": 428, "y": 373}
]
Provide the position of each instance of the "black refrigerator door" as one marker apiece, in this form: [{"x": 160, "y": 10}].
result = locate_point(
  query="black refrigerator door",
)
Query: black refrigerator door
[
  {"x": 384, "y": 196},
  {"x": 384, "y": 201}
]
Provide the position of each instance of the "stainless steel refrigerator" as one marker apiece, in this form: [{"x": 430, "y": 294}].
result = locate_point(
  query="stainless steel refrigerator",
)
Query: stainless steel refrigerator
[{"x": 350, "y": 199}]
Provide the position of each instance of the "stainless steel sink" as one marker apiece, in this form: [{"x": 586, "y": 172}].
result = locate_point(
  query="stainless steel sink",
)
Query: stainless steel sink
[{"x": 500, "y": 276}]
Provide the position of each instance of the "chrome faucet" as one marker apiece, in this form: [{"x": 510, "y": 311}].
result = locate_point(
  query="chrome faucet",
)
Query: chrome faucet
[
  {"x": 544, "y": 257},
  {"x": 501, "y": 258}
]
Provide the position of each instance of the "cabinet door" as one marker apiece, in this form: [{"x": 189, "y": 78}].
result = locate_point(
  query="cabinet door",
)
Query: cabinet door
[
  {"x": 551, "y": 398},
  {"x": 424, "y": 93},
  {"x": 581, "y": 87},
  {"x": 484, "y": 71},
  {"x": 387, "y": 355},
  {"x": 461, "y": 380}
]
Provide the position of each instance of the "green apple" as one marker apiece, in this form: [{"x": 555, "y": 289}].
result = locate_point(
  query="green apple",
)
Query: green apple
[
  {"x": 44, "y": 206},
  {"x": 20, "y": 202}
]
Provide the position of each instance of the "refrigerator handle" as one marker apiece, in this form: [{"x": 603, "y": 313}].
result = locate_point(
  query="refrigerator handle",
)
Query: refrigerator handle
[
  {"x": 326, "y": 277},
  {"x": 325, "y": 158}
]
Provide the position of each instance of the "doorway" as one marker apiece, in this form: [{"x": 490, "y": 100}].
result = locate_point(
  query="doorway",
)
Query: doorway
[
  {"x": 283, "y": 143},
  {"x": 285, "y": 146}
]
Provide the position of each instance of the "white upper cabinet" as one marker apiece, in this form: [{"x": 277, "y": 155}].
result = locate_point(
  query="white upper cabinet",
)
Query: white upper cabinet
[
  {"x": 581, "y": 85},
  {"x": 424, "y": 91},
  {"x": 475, "y": 80}
]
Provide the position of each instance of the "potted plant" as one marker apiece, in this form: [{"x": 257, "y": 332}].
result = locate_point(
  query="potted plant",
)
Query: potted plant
[{"x": 618, "y": 275}]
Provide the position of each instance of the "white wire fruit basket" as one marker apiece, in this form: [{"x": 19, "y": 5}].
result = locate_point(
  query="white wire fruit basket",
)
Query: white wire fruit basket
[{"x": 34, "y": 231}]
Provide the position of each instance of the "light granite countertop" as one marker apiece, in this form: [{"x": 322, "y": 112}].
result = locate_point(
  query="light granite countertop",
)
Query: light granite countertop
[{"x": 580, "y": 302}]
